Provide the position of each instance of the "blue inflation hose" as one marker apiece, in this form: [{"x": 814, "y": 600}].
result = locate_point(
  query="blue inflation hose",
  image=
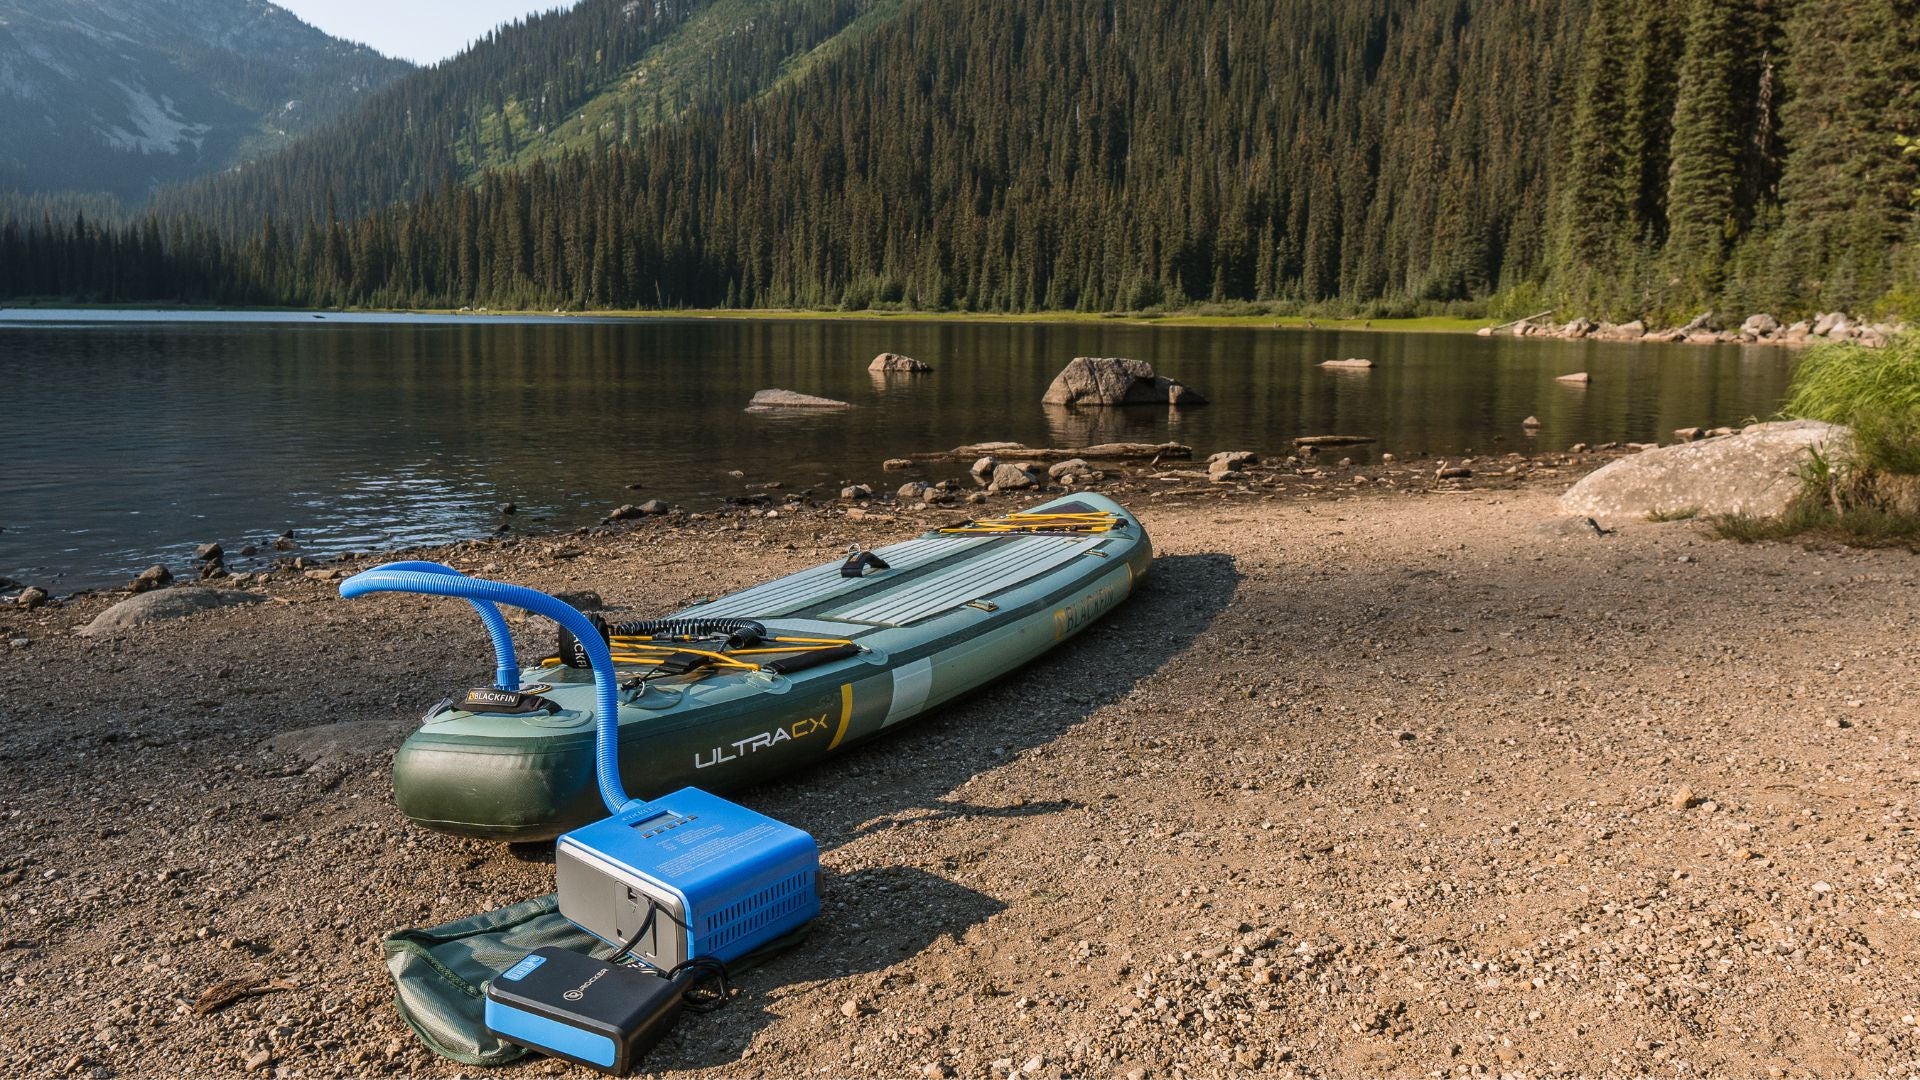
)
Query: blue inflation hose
[
  {"x": 445, "y": 581},
  {"x": 506, "y": 667}
]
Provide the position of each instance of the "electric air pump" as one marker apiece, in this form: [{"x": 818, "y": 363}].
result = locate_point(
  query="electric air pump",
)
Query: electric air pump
[{"x": 679, "y": 885}]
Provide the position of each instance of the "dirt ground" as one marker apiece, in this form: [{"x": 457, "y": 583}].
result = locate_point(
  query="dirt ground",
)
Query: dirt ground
[{"x": 1397, "y": 782}]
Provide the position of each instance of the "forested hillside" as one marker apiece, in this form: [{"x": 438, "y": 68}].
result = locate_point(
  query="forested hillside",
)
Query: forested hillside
[
  {"x": 599, "y": 74},
  {"x": 1603, "y": 156},
  {"x": 118, "y": 96}
]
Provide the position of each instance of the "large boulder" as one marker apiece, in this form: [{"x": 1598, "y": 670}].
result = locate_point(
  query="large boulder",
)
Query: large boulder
[
  {"x": 1756, "y": 472},
  {"x": 775, "y": 400},
  {"x": 1114, "y": 380},
  {"x": 888, "y": 362},
  {"x": 164, "y": 604}
]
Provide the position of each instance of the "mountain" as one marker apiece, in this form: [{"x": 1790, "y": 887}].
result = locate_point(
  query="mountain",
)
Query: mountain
[
  {"x": 123, "y": 95},
  {"x": 601, "y": 73}
]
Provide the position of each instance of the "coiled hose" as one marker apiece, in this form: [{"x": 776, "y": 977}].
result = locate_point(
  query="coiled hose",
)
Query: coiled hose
[
  {"x": 433, "y": 579},
  {"x": 740, "y": 633}
]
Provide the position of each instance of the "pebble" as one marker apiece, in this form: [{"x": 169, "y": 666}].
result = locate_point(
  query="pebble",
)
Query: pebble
[
  {"x": 1681, "y": 798},
  {"x": 850, "y": 1008},
  {"x": 21, "y": 643},
  {"x": 259, "y": 1061}
]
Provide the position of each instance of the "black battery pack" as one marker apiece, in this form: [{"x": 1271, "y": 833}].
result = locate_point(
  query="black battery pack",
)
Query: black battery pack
[{"x": 587, "y": 1011}]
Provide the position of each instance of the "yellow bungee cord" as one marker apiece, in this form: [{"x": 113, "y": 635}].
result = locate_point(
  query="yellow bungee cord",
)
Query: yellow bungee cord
[{"x": 1015, "y": 523}]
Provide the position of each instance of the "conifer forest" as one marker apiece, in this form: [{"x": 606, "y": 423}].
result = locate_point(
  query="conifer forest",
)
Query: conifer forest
[{"x": 1612, "y": 158}]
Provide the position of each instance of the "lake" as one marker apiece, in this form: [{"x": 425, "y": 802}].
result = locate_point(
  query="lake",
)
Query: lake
[{"x": 130, "y": 437}]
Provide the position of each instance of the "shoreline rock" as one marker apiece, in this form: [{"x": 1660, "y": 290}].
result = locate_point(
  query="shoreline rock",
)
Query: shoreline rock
[
  {"x": 163, "y": 605},
  {"x": 1708, "y": 329},
  {"x": 1754, "y": 472}
]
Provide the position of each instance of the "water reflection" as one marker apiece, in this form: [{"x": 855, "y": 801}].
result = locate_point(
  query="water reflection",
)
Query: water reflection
[{"x": 129, "y": 441}]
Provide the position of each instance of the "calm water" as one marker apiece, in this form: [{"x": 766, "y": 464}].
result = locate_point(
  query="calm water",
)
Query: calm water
[{"x": 129, "y": 438}]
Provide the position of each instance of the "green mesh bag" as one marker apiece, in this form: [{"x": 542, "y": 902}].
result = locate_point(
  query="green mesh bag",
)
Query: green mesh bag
[{"x": 439, "y": 973}]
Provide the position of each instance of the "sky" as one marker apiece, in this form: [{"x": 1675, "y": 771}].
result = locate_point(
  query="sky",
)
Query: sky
[{"x": 424, "y": 31}]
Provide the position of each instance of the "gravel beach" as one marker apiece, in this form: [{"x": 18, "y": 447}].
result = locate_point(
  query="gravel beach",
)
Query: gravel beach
[{"x": 1409, "y": 779}]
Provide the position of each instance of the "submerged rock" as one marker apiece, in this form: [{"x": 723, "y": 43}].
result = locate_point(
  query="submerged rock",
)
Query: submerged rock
[
  {"x": 772, "y": 400},
  {"x": 1355, "y": 362},
  {"x": 1755, "y": 472},
  {"x": 164, "y": 605},
  {"x": 1113, "y": 381}
]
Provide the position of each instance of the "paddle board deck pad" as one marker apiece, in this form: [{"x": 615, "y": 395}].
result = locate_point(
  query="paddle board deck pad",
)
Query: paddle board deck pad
[{"x": 828, "y": 657}]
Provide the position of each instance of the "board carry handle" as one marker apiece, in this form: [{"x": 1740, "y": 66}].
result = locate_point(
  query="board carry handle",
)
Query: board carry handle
[{"x": 435, "y": 579}]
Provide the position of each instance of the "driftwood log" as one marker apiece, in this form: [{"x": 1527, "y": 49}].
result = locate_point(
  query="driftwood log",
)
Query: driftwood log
[{"x": 1098, "y": 452}]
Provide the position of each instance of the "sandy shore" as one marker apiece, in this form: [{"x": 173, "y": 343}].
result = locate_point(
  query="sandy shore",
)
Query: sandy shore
[{"x": 1390, "y": 782}]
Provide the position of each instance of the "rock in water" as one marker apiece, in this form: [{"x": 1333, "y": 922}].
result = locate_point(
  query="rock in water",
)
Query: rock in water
[
  {"x": 772, "y": 400},
  {"x": 1113, "y": 380},
  {"x": 895, "y": 362},
  {"x": 1755, "y": 472},
  {"x": 1578, "y": 378},
  {"x": 1355, "y": 363},
  {"x": 164, "y": 605}
]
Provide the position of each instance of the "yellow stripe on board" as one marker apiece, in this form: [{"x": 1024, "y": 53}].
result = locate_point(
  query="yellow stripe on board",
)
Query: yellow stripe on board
[{"x": 846, "y": 714}]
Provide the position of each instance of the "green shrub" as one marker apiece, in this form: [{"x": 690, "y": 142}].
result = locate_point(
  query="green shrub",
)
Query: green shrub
[{"x": 1876, "y": 392}]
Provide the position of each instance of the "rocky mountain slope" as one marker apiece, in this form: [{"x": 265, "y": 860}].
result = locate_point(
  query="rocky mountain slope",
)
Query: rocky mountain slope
[{"x": 122, "y": 95}]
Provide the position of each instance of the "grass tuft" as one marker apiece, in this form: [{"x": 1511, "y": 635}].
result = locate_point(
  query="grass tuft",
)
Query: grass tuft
[
  {"x": 1865, "y": 493},
  {"x": 1810, "y": 520},
  {"x": 1685, "y": 513},
  {"x": 1876, "y": 392}
]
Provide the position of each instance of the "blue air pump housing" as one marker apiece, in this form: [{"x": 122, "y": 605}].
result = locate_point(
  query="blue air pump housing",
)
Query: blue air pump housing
[{"x": 689, "y": 874}]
